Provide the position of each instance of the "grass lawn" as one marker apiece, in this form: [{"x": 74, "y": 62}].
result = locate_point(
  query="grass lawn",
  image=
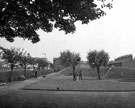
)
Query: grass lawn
[
  {"x": 86, "y": 71},
  {"x": 114, "y": 73},
  {"x": 65, "y": 83},
  {"x": 43, "y": 99}
]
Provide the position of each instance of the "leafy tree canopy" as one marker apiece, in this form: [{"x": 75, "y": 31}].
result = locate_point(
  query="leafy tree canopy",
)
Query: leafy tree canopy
[
  {"x": 42, "y": 62},
  {"x": 68, "y": 58},
  {"x": 22, "y": 18},
  {"x": 11, "y": 55},
  {"x": 25, "y": 57},
  {"x": 97, "y": 58}
]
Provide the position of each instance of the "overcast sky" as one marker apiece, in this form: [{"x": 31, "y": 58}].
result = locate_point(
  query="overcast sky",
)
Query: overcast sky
[{"x": 115, "y": 33}]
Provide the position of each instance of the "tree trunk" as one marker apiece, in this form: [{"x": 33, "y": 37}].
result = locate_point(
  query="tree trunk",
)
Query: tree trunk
[
  {"x": 74, "y": 74},
  {"x": 10, "y": 74},
  {"x": 25, "y": 71},
  {"x": 98, "y": 73}
]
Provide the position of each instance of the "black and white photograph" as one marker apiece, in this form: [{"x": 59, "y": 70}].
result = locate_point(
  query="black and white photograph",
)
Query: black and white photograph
[{"x": 67, "y": 54}]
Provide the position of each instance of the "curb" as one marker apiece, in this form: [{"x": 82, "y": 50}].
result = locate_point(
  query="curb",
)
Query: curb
[{"x": 62, "y": 90}]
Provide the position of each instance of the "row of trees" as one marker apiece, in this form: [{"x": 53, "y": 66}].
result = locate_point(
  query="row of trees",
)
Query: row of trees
[
  {"x": 95, "y": 60},
  {"x": 67, "y": 58},
  {"x": 15, "y": 56}
]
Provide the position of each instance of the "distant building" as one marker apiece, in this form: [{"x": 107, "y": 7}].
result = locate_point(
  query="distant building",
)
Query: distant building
[
  {"x": 4, "y": 64},
  {"x": 123, "y": 61}
]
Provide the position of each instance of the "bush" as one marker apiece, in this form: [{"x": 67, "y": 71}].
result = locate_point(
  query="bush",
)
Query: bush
[{"x": 21, "y": 77}]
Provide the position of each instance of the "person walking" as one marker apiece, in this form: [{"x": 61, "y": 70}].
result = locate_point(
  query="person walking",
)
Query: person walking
[
  {"x": 80, "y": 75},
  {"x": 36, "y": 73}
]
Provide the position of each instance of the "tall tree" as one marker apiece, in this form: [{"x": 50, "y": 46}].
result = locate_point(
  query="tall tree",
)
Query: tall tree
[
  {"x": 97, "y": 59},
  {"x": 68, "y": 58},
  {"x": 11, "y": 56},
  {"x": 22, "y": 18}
]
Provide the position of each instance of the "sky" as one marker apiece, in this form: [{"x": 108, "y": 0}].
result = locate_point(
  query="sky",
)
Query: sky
[{"x": 114, "y": 33}]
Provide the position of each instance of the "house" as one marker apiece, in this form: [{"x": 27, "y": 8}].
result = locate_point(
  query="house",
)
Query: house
[{"x": 123, "y": 61}]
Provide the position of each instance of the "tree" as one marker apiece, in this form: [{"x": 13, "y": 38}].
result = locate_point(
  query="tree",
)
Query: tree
[
  {"x": 25, "y": 60},
  {"x": 51, "y": 65},
  {"x": 42, "y": 62},
  {"x": 22, "y": 18},
  {"x": 11, "y": 56},
  {"x": 68, "y": 58},
  {"x": 32, "y": 61},
  {"x": 97, "y": 59}
]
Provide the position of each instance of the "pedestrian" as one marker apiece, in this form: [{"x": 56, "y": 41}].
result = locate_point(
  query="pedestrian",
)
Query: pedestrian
[
  {"x": 74, "y": 76},
  {"x": 36, "y": 74},
  {"x": 80, "y": 75}
]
